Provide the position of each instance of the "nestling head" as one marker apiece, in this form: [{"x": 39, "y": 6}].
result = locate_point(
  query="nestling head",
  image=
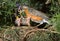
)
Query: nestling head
[{"x": 25, "y": 7}]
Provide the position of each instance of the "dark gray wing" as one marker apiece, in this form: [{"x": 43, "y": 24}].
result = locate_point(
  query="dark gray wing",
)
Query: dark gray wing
[{"x": 38, "y": 13}]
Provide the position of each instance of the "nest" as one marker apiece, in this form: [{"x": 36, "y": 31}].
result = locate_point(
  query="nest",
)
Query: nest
[
  {"x": 25, "y": 33},
  {"x": 41, "y": 35}
]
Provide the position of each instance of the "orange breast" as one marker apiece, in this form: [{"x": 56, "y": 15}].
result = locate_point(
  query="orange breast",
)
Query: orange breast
[
  {"x": 36, "y": 18},
  {"x": 33, "y": 16}
]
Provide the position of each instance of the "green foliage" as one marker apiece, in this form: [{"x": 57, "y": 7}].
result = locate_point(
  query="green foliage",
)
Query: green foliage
[
  {"x": 36, "y": 4},
  {"x": 56, "y": 22},
  {"x": 55, "y": 7},
  {"x": 6, "y": 11}
]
